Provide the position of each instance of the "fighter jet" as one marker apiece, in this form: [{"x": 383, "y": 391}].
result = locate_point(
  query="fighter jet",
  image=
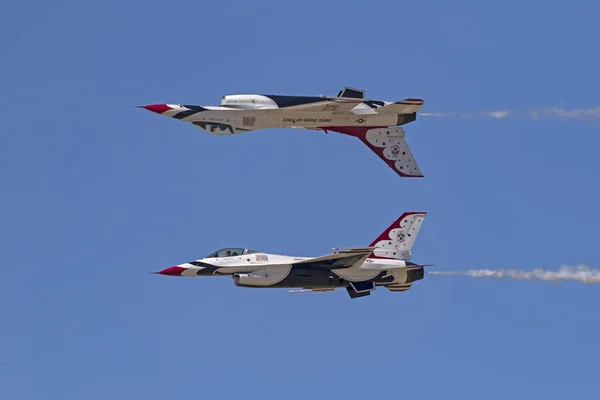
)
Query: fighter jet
[
  {"x": 359, "y": 270},
  {"x": 376, "y": 123}
]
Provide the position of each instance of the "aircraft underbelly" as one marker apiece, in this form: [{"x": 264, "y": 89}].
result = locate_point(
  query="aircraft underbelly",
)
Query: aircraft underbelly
[
  {"x": 357, "y": 274},
  {"x": 267, "y": 119},
  {"x": 307, "y": 278},
  {"x": 276, "y": 119}
]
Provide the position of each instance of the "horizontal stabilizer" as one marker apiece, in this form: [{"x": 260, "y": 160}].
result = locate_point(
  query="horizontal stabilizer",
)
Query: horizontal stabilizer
[
  {"x": 417, "y": 266},
  {"x": 407, "y": 106},
  {"x": 353, "y": 249},
  {"x": 409, "y": 267}
]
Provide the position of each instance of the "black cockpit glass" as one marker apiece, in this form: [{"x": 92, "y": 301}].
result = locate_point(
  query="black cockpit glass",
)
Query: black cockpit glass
[{"x": 227, "y": 252}]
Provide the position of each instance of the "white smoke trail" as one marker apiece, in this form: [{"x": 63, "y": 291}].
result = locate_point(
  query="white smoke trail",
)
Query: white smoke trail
[
  {"x": 533, "y": 113},
  {"x": 579, "y": 273},
  {"x": 495, "y": 114}
]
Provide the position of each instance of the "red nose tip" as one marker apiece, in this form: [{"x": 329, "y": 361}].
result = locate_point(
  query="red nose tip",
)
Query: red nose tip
[
  {"x": 173, "y": 271},
  {"x": 157, "y": 108}
]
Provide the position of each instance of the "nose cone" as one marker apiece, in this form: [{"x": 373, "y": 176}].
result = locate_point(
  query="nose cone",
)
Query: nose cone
[
  {"x": 173, "y": 271},
  {"x": 157, "y": 108}
]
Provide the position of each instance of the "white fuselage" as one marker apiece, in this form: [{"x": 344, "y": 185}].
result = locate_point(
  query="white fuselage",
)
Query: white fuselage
[
  {"x": 267, "y": 119},
  {"x": 278, "y": 264}
]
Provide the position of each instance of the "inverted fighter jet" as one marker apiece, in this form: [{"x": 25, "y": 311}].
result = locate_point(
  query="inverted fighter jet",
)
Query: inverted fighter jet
[
  {"x": 376, "y": 123},
  {"x": 359, "y": 270}
]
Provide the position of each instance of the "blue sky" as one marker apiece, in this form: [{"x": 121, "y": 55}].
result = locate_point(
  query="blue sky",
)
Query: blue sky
[{"x": 97, "y": 193}]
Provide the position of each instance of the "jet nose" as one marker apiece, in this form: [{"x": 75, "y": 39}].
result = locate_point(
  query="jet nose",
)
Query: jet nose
[
  {"x": 157, "y": 108},
  {"x": 173, "y": 271}
]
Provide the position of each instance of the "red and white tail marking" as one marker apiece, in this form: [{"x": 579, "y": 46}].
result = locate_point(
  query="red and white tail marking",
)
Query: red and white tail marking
[
  {"x": 389, "y": 144},
  {"x": 397, "y": 240}
]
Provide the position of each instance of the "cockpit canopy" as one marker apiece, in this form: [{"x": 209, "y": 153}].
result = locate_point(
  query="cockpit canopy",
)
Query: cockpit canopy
[{"x": 231, "y": 252}]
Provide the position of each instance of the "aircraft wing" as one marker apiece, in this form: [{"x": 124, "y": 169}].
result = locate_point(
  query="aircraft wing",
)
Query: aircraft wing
[
  {"x": 335, "y": 105},
  {"x": 346, "y": 259}
]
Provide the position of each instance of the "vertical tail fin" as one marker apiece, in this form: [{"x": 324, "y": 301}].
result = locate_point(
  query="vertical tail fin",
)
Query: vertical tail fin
[{"x": 397, "y": 240}]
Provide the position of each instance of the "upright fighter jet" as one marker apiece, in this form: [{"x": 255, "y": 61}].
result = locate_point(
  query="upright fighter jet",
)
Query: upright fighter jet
[
  {"x": 376, "y": 123},
  {"x": 359, "y": 270}
]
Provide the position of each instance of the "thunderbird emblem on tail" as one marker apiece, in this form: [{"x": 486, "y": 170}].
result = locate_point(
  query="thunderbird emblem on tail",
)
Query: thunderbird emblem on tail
[{"x": 376, "y": 123}]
